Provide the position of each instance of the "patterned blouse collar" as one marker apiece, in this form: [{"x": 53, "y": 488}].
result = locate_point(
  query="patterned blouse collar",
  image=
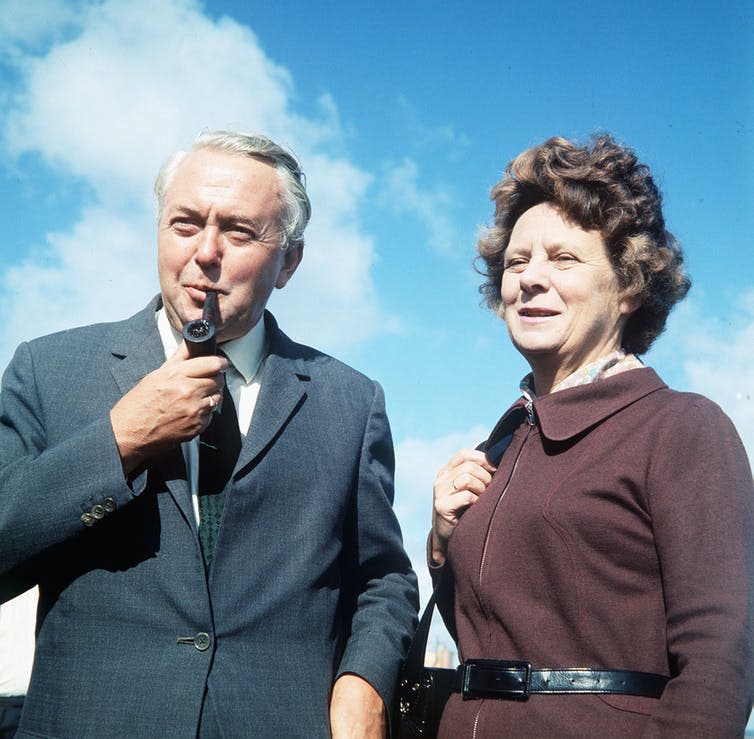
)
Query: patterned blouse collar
[{"x": 612, "y": 364}]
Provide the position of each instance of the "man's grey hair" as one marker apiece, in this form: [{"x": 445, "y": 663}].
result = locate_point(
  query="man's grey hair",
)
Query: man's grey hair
[{"x": 296, "y": 206}]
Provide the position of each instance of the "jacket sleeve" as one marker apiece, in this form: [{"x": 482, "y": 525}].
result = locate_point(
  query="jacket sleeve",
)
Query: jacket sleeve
[
  {"x": 385, "y": 595},
  {"x": 701, "y": 502},
  {"x": 53, "y": 487}
]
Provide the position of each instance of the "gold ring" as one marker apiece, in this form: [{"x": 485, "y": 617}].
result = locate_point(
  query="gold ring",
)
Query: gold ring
[{"x": 212, "y": 402}]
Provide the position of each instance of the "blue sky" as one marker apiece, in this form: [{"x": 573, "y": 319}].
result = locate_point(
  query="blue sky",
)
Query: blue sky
[{"x": 404, "y": 115}]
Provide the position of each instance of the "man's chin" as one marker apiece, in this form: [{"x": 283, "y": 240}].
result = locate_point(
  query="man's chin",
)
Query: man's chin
[{"x": 227, "y": 331}]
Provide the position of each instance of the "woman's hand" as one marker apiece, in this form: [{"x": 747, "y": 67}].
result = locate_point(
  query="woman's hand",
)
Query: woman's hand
[{"x": 457, "y": 486}]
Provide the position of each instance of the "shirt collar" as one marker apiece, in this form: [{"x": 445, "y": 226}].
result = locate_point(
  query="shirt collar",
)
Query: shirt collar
[{"x": 245, "y": 353}]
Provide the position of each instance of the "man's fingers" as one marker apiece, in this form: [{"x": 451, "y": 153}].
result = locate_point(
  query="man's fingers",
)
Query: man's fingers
[
  {"x": 212, "y": 364},
  {"x": 213, "y": 400},
  {"x": 180, "y": 354}
]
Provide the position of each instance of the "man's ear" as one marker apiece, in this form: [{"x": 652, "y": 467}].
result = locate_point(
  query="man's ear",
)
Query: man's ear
[{"x": 291, "y": 259}]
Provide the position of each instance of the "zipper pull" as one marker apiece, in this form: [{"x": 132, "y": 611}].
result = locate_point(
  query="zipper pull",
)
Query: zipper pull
[{"x": 530, "y": 412}]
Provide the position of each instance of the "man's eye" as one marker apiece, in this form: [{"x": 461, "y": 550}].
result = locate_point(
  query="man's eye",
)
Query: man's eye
[
  {"x": 184, "y": 228},
  {"x": 240, "y": 235}
]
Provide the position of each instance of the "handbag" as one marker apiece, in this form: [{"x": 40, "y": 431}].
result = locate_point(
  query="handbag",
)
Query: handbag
[{"x": 422, "y": 692}]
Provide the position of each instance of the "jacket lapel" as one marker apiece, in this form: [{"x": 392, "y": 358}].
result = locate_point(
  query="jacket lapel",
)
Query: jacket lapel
[
  {"x": 137, "y": 351},
  {"x": 283, "y": 388}
]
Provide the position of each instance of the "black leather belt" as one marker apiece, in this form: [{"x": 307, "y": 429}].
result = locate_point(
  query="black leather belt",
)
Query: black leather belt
[{"x": 494, "y": 678}]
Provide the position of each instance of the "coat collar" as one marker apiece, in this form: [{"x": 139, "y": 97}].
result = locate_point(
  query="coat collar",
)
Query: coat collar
[
  {"x": 564, "y": 414},
  {"x": 568, "y": 413}
]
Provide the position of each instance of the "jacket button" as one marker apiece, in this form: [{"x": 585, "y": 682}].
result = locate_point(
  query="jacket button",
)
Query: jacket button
[
  {"x": 87, "y": 519},
  {"x": 109, "y": 505},
  {"x": 98, "y": 512},
  {"x": 202, "y": 641}
]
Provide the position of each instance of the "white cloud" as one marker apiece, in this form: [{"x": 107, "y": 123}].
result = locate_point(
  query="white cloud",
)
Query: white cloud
[
  {"x": 140, "y": 79},
  {"x": 107, "y": 106},
  {"x": 403, "y": 194},
  {"x": 717, "y": 358},
  {"x": 24, "y": 23},
  {"x": 103, "y": 270},
  {"x": 431, "y": 136}
]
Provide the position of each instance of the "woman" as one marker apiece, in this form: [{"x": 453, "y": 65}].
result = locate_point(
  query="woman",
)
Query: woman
[{"x": 602, "y": 539}]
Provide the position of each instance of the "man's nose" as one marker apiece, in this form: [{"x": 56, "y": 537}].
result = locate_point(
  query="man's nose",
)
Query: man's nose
[{"x": 209, "y": 250}]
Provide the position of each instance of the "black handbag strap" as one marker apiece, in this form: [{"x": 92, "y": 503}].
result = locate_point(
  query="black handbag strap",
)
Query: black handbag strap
[
  {"x": 414, "y": 661},
  {"x": 422, "y": 692}
]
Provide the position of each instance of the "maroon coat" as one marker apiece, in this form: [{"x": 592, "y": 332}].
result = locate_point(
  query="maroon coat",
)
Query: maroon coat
[{"x": 616, "y": 533}]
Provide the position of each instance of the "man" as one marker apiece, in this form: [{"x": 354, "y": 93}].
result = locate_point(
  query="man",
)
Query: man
[{"x": 278, "y": 606}]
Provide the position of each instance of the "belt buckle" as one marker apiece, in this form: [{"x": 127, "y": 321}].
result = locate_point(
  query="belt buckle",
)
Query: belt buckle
[{"x": 496, "y": 678}]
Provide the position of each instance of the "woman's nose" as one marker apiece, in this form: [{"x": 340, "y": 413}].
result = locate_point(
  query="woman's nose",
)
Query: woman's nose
[{"x": 536, "y": 276}]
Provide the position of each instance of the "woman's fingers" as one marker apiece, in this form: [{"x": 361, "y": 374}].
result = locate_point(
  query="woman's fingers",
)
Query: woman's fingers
[
  {"x": 468, "y": 455},
  {"x": 475, "y": 479},
  {"x": 458, "y": 485}
]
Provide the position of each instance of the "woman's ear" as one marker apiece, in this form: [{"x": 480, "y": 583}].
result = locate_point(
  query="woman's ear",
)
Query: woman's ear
[{"x": 628, "y": 304}]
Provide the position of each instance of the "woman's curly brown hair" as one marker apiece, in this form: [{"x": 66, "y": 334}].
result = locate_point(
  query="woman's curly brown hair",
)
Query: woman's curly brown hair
[{"x": 603, "y": 187}]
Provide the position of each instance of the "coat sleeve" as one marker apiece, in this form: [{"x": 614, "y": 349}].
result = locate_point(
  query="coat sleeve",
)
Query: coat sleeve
[
  {"x": 701, "y": 502},
  {"x": 443, "y": 585},
  {"x": 385, "y": 595},
  {"x": 48, "y": 484}
]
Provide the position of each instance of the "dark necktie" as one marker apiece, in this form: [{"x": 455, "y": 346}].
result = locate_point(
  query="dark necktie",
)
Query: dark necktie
[{"x": 219, "y": 446}]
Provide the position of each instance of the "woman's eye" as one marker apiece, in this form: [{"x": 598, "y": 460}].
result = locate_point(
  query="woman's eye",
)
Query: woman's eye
[
  {"x": 565, "y": 259},
  {"x": 515, "y": 264}
]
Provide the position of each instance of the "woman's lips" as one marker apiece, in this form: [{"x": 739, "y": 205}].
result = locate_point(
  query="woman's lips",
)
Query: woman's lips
[{"x": 536, "y": 312}]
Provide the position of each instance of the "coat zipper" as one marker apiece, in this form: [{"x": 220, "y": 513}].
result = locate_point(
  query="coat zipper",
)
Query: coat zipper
[{"x": 530, "y": 424}]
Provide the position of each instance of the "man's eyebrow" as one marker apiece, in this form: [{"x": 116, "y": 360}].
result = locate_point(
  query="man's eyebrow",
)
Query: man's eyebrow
[
  {"x": 255, "y": 224},
  {"x": 185, "y": 210},
  {"x": 232, "y": 220}
]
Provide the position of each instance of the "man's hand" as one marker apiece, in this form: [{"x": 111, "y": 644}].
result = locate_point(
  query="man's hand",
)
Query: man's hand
[
  {"x": 356, "y": 710},
  {"x": 170, "y": 405}
]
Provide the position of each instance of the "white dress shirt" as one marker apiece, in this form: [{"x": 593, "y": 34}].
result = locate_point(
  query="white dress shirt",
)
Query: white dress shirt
[
  {"x": 246, "y": 356},
  {"x": 17, "y": 619}
]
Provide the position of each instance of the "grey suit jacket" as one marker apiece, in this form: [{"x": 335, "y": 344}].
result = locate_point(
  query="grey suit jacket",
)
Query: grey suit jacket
[{"x": 309, "y": 579}]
